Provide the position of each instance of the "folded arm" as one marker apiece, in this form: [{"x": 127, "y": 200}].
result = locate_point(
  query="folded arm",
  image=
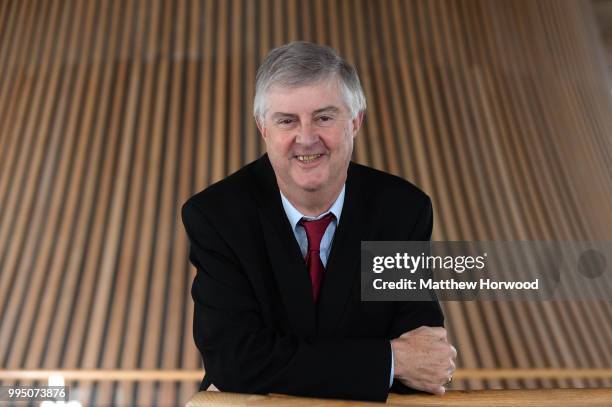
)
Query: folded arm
[{"x": 242, "y": 353}]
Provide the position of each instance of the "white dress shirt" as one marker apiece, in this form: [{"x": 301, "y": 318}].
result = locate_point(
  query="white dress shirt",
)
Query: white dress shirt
[{"x": 294, "y": 216}]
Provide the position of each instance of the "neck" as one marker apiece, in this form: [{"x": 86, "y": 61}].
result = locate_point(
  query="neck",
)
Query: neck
[{"x": 313, "y": 203}]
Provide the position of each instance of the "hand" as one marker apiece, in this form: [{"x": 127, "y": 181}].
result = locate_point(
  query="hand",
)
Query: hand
[{"x": 423, "y": 359}]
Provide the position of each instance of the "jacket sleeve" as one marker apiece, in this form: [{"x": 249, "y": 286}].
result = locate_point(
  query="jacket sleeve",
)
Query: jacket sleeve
[
  {"x": 413, "y": 314},
  {"x": 242, "y": 354}
]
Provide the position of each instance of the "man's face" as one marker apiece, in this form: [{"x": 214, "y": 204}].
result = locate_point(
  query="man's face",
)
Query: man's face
[{"x": 309, "y": 136}]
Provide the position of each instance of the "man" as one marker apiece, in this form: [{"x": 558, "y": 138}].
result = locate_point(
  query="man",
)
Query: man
[{"x": 277, "y": 246}]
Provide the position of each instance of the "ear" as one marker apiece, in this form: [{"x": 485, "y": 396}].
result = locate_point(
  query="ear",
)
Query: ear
[
  {"x": 261, "y": 127},
  {"x": 357, "y": 121}
]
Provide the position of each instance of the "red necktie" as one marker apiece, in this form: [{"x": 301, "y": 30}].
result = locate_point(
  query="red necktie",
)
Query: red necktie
[{"x": 315, "y": 229}]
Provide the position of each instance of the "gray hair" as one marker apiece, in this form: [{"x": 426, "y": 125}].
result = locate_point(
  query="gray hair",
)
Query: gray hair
[{"x": 303, "y": 63}]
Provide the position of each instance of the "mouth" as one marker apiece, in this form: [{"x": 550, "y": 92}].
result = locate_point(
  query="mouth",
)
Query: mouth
[{"x": 307, "y": 159}]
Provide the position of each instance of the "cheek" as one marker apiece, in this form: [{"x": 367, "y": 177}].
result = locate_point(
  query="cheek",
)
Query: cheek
[
  {"x": 278, "y": 145},
  {"x": 344, "y": 144}
]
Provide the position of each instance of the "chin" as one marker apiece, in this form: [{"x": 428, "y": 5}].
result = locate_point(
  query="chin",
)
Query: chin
[
  {"x": 310, "y": 186},
  {"x": 310, "y": 182}
]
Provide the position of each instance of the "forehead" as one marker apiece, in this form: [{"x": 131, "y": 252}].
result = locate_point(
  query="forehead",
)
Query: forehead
[{"x": 305, "y": 99}]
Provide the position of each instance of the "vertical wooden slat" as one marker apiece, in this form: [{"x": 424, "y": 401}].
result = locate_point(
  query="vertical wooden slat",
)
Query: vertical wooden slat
[
  {"x": 372, "y": 148},
  {"x": 251, "y": 134},
  {"x": 221, "y": 60},
  {"x": 184, "y": 354},
  {"x": 235, "y": 59}
]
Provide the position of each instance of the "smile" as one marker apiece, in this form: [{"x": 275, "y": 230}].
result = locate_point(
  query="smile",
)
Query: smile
[{"x": 308, "y": 158}]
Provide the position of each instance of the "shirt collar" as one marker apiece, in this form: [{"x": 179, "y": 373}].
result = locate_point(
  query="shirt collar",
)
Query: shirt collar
[{"x": 295, "y": 216}]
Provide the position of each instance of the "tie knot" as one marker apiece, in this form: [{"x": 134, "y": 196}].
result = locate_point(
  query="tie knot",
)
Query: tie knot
[{"x": 315, "y": 229}]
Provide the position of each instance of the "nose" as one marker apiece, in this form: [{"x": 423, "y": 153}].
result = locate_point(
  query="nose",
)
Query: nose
[{"x": 306, "y": 134}]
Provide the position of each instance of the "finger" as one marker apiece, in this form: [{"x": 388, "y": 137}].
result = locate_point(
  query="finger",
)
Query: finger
[
  {"x": 438, "y": 390},
  {"x": 449, "y": 351},
  {"x": 452, "y": 367},
  {"x": 440, "y": 348},
  {"x": 427, "y": 386},
  {"x": 444, "y": 379}
]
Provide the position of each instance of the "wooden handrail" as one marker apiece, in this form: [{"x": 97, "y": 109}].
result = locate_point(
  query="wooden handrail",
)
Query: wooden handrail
[
  {"x": 531, "y": 373},
  {"x": 195, "y": 375}
]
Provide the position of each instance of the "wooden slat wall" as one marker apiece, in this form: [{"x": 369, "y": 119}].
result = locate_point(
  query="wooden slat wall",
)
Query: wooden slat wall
[
  {"x": 602, "y": 9},
  {"x": 112, "y": 113}
]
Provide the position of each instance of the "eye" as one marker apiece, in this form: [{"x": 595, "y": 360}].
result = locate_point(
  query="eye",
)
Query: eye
[
  {"x": 324, "y": 120},
  {"x": 285, "y": 122}
]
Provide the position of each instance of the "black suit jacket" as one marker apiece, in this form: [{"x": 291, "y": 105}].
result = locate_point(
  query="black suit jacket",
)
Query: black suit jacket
[{"x": 255, "y": 323}]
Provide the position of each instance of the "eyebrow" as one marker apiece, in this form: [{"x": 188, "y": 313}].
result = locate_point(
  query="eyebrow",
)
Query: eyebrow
[{"x": 330, "y": 109}]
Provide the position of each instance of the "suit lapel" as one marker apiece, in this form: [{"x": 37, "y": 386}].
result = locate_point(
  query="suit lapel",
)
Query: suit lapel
[
  {"x": 284, "y": 252},
  {"x": 342, "y": 270}
]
